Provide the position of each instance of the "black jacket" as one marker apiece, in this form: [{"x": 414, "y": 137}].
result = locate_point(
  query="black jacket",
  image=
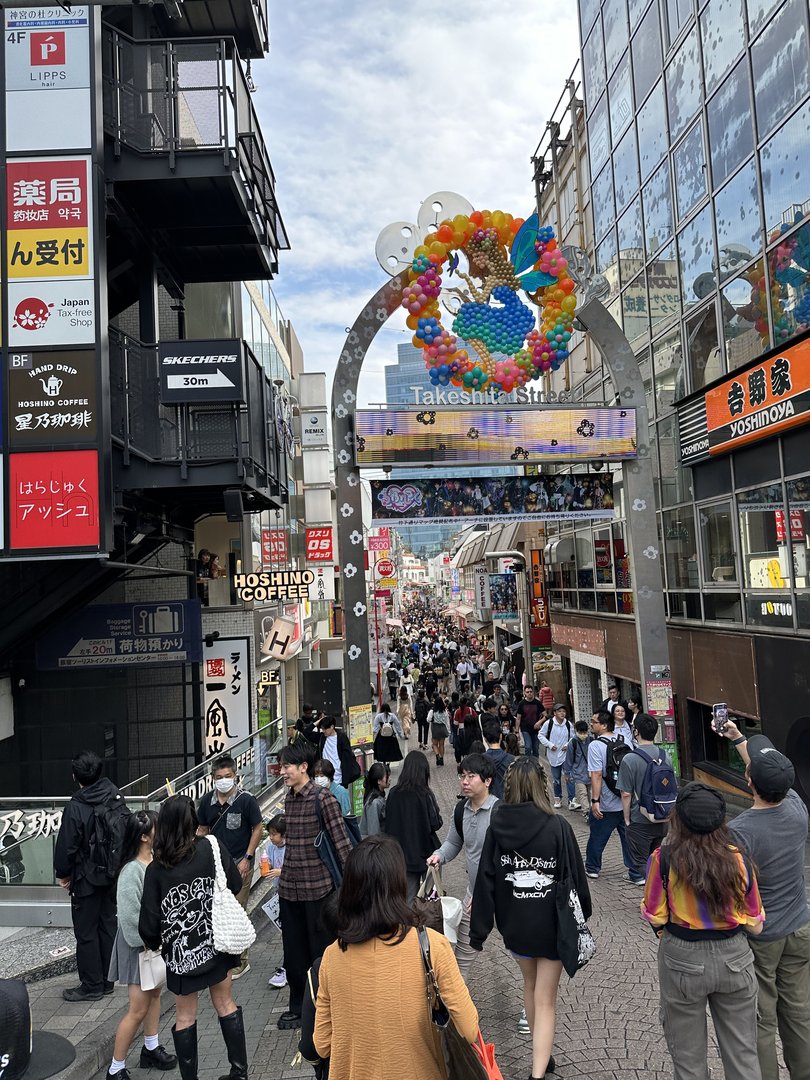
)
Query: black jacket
[
  {"x": 413, "y": 819},
  {"x": 71, "y": 856},
  {"x": 604, "y": 707},
  {"x": 349, "y": 767},
  {"x": 518, "y": 867}
]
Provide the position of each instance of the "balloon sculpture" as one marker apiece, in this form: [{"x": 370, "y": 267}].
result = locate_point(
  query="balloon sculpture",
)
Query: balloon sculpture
[{"x": 505, "y": 255}]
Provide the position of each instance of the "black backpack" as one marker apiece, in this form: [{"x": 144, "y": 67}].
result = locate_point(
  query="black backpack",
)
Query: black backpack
[
  {"x": 615, "y": 752},
  {"x": 458, "y": 817},
  {"x": 106, "y": 836},
  {"x": 498, "y": 781},
  {"x": 547, "y": 734},
  {"x": 421, "y": 709}
]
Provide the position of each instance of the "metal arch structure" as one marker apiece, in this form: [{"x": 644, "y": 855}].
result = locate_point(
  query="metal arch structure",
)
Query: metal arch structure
[{"x": 637, "y": 476}]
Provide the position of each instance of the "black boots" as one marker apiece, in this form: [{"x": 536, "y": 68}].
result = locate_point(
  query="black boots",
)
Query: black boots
[
  {"x": 185, "y": 1043},
  {"x": 233, "y": 1032},
  {"x": 157, "y": 1059}
]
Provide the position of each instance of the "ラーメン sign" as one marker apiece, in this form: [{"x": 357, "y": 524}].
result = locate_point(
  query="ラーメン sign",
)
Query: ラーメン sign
[{"x": 277, "y": 585}]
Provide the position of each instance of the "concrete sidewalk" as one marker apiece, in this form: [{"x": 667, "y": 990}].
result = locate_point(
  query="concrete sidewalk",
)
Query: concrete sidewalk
[{"x": 607, "y": 1017}]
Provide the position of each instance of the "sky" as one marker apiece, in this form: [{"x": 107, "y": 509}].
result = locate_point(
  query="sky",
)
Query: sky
[{"x": 370, "y": 106}]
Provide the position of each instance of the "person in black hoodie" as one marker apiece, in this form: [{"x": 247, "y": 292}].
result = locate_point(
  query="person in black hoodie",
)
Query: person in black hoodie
[
  {"x": 92, "y": 897},
  {"x": 412, "y": 817},
  {"x": 516, "y": 873}
]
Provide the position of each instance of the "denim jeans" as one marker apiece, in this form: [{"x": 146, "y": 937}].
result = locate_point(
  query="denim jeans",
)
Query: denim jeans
[
  {"x": 601, "y": 828},
  {"x": 556, "y": 775},
  {"x": 531, "y": 742}
]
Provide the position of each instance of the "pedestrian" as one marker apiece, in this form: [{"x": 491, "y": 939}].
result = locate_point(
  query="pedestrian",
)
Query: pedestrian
[
  {"x": 546, "y": 697},
  {"x": 307, "y": 724},
  {"x": 526, "y": 837},
  {"x": 234, "y": 817},
  {"x": 439, "y": 723},
  {"x": 392, "y": 675},
  {"x": 333, "y": 745},
  {"x": 501, "y": 759},
  {"x": 421, "y": 710},
  {"x": 606, "y": 814},
  {"x": 464, "y": 713},
  {"x": 144, "y": 1005},
  {"x": 462, "y": 677},
  {"x": 323, "y": 775},
  {"x": 405, "y": 712},
  {"x": 774, "y": 833},
  {"x": 702, "y": 899},
  {"x": 387, "y": 731},
  {"x": 86, "y": 867},
  {"x": 178, "y": 892},
  {"x": 376, "y": 934},
  {"x": 305, "y": 881},
  {"x": 555, "y": 735},
  {"x": 612, "y": 700},
  {"x": 275, "y": 849},
  {"x": 530, "y": 718},
  {"x": 643, "y": 835},
  {"x": 412, "y": 817},
  {"x": 471, "y": 818},
  {"x": 576, "y": 765},
  {"x": 621, "y": 726},
  {"x": 506, "y": 718},
  {"x": 306, "y": 1044},
  {"x": 375, "y": 786}
]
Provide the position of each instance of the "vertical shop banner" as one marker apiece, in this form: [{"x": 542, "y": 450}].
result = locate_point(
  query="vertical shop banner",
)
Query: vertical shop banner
[
  {"x": 481, "y": 598},
  {"x": 53, "y": 500},
  {"x": 455, "y": 582},
  {"x": 538, "y": 579},
  {"x": 319, "y": 545},
  {"x": 275, "y": 547},
  {"x": 226, "y": 694},
  {"x": 503, "y": 591}
]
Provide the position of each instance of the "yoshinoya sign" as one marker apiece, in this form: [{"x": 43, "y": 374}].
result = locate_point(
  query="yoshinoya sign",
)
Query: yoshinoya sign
[
  {"x": 768, "y": 398},
  {"x": 274, "y": 586},
  {"x": 200, "y": 371},
  {"x": 52, "y": 399}
]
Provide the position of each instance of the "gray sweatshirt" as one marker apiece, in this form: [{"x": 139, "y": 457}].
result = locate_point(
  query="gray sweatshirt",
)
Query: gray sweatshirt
[
  {"x": 475, "y": 824},
  {"x": 128, "y": 898}
]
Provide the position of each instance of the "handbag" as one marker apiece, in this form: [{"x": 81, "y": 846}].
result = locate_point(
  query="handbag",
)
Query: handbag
[
  {"x": 463, "y": 1060},
  {"x": 233, "y": 930},
  {"x": 427, "y": 903},
  {"x": 151, "y": 969},
  {"x": 325, "y": 847},
  {"x": 575, "y": 942}
]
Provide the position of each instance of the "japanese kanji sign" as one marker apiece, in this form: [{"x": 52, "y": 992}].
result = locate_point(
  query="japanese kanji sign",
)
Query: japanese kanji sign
[
  {"x": 275, "y": 547},
  {"x": 53, "y": 401},
  {"x": 48, "y": 213},
  {"x": 319, "y": 545},
  {"x": 53, "y": 500},
  {"x": 227, "y": 680}
]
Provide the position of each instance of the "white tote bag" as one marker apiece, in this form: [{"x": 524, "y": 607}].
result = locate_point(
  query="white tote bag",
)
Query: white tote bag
[
  {"x": 233, "y": 930},
  {"x": 152, "y": 969}
]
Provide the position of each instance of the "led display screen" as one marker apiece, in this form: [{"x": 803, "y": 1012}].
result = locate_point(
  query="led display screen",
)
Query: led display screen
[{"x": 493, "y": 437}]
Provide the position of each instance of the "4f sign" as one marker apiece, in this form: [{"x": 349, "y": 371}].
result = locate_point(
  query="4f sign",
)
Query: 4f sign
[{"x": 48, "y": 50}]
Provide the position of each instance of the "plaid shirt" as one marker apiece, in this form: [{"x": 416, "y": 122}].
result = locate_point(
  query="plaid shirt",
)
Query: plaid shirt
[{"x": 304, "y": 876}]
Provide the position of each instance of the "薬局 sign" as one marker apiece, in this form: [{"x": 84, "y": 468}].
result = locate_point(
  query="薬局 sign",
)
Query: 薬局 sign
[
  {"x": 200, "y": 371},
  {"x": 319, "y": 545},
  {"x": 53, "y": 500},
  {"x": 52, "y": 399},
  {"x": 226, "y": 694},
  {"x": 275, "y": 547},
  {"x": 124, "y": 635},
  {"x": 48, "y": 215}
]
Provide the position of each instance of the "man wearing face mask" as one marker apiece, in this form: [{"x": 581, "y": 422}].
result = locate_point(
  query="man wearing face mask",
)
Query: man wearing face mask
[{"x": 234, "y": 817}]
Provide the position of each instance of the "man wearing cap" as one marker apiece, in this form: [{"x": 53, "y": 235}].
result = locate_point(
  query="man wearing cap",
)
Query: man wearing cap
[
  {"x": 774, "y": 832},
  {"x": 555, "y": 735}
]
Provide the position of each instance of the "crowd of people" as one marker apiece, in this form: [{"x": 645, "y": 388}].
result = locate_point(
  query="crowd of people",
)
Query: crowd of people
[{"x": 726, "y": 901}]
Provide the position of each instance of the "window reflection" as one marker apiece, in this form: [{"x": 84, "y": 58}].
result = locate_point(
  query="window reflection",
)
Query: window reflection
[
  {"x": 657, "y": 210},
  {"x": 625, "y": 170},
  {"x": 789, "y": 266},
  {"x": 662, "y": 285},
  {"x": 631, "y": 255},
  {"x": 681, "y": 549},
  {"x": 678, "y": 11},
  {"x": 667, "y": 362},
  {"x": 721, "y": 31},
  {"x": 604, "y": 211},
  {"x": 634, "y": 307},
  {"x": 617, "y": 32},
  {"x": 588, "y": 10},
  {"x": 675, "y": 481},
  {"x": 593, "y": 56},
  {"x": 696, "y": 257},
  {"x": 717, "y": 542},
  {"x": 646, "y": 48},
  {"x": 598, "y": 136},
  {"x": 745, "y": 317},
  {"x": 779, "y": 60},
  {"x": 652, "y": 129},
  {"x": 621, "y": 98},
  {"x": 731, "y": 135},
  {"x": 785, "y": 166},
  {"x": 798, "y": 493},
  {"x": 702, "y": 348},
  {"x": 690, "y": 171},
  {"x": 737, "y": 214},
  {"x": 762, "y": 520},
  {"x": 757, "y": 12},
  {"x": 683, "y": 85}
]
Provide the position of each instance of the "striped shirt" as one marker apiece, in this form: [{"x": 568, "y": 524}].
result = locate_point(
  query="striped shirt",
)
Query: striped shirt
[{"x": 681, "y": 907}]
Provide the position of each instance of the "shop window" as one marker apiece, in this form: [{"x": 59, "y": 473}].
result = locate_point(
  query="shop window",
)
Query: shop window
[
  {"x": 604, "y": 208},
  {"x": 587, "y": 601},
  {"x": 779, "y": 61},
  {"x": 624, "y": 603},
  {"x": 761, "y": 516},
  {"x": 620, "y": 95},
  {"x": 717, "y": 541},
  {"x": 789, "y": 266},
  {"x": 785, "y": 161},
  {"x": 757, "y": 464},
  {"x": 681, "y": 549},
  {"x": 745, "y": 323},
  {"x": 621, "y": 562},
  {"x": 664, "y": 294},
  {"x": 712, "y": 478},
  {"x": 696, "y": 258},
  {"x": 683, "y": 85},
  {"x": 731, "y": 133},
  {"x": 798, "y": 493},
  {"x": 722, "y": 607},
  {"x": 796, "y": 450},
  {"x": 625, "y": 170},
  {"x": 598, "y": 135},
  {"x": 703, "y": 349},
  {"x": 722, "y": 34},
  {"x": 803, "y": 610},
  {"x": 646, "y": 49},
  {"x": 690, "y": 171},
  {"x": 606, "y": 603},
  {"x": 684, "y": 606},
  {"x": 652, "y": 128},
  {"x": 657, "y": 210},
  {"x": 603, "y": 557},
  {"x": 617, "y": 32},
  {"x": 593, "y": 66}
]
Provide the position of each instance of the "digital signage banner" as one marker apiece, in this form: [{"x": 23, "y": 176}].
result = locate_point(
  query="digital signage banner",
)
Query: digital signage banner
[
  {"x": 533, "y": 498},
  {"x": 503, "y": 597},
  {"x": 487, "y": 437}
]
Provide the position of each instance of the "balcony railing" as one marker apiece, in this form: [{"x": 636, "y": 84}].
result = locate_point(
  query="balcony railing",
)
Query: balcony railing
[
  {"x": 193, "y": 434},
  {"x": 175, "y": 97}
]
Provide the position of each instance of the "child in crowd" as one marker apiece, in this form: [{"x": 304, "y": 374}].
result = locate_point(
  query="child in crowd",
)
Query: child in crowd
[
  {"x": 576, "y": 765},
  {"x": 274, "y": 850}
]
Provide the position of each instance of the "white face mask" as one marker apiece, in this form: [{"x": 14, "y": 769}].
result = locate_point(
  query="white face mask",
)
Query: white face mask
[
  {"x": 321, "y": 781},
  {"x": 224, "y": 784}
]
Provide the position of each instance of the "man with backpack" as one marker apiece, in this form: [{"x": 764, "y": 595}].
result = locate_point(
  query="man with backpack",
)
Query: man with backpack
[
  {"x": 555, "y": 735},
  {"x": 85, "y": 862},
  {"x": 501, "y": 760},
  {"x": 605, "y": 755},
  {"x": 648, "y": 790}
]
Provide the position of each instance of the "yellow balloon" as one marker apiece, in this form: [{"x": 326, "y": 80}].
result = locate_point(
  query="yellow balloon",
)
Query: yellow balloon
[
  {"x": 569, "y": 304},
  {"x": 437, "y": 248}
]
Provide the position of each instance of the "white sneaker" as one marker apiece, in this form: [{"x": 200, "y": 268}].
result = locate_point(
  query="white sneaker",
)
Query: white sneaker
[
  {"x": 557, "y": 804},
  {"x": 278, "y": 979},
  {"x": 522, "y": 1027},
  {"x": 574, "y": 805}
]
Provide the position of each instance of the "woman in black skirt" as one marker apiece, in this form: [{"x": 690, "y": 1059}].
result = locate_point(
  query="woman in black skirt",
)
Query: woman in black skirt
[
  {"x": 387, "y": 732},
  {"x": 175, "y": 917}
]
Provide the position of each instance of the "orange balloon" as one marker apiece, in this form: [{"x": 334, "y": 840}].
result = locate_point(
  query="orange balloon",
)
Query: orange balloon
[
  {"x": 445, "y": 234},
  {"x": 516, "y": 225},
  {"x": 476, "y": 217}
]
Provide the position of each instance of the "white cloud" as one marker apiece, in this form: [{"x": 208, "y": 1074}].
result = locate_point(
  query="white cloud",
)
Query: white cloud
[{"x": 368, "y": 108}]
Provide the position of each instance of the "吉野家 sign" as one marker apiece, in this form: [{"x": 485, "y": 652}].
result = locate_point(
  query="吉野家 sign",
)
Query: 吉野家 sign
[
  {"x": 52, "y": 399},
  {"x": 226, "y": 693},
  {"x": 124, "y": 635},
  {"x": 200, "y": 371},
  {"x": 274, "y": 585},
  {"x": 319, "y": 545}
]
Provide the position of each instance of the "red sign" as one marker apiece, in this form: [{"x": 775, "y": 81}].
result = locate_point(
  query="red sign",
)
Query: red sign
[
  {"x": 275, "y": 548},
  {"x": 384, "y": 568},
  {"x": 319, "y": 545},
  {"x": 379, "y": 543},
  {"x": 53, "y": 500},
  {"x": 47, "y": 194},
  {"x": 796, "y": 525},
  {"x": 384, "y": 593},
  {"x": 48, "y": 49},
  {"x": 602, "y": 554}
]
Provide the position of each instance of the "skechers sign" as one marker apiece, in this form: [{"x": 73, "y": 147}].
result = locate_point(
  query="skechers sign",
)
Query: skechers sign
[{"x": 202, "y": 371}]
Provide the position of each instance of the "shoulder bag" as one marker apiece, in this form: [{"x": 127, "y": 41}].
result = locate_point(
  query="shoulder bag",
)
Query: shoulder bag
[
  {"x": 151, "y": 969},
  {"x": 463, "y": 1061},
  {"x": 575, "y": 942},
  {"x": 233, "y": 930},
  {"x": 325, "y": 847}
]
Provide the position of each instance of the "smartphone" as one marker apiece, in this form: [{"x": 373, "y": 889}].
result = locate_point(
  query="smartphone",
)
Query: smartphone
[{"x": 720, "y": 717}]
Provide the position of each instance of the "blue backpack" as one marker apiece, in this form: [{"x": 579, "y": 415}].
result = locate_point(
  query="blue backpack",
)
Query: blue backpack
[{"x": 659, "y": 787}]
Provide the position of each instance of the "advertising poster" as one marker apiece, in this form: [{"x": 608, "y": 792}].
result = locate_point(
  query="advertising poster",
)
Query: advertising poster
[
  {"x": 226, "y": 694},
  {"x": 503, "y": 592},
  {"x": 53, "y": 500},
  {"x": 360, "y": 722},
  {"x": 48, "y": 215}
]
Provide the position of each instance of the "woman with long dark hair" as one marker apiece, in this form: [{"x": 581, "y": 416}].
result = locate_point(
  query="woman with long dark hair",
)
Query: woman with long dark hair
[
  {"x": 412, "y": 817},
  {"x": 375, "y": 785},
  {"x": 376, "y": 936},
  {"x": 439, "y": 720},
  {"x": 465, "y": 718},
  {"x": 176, "y": 917},
  {"x": 525, "y": 846},
  {"x": 387, "y": 731},
  {"x": 703, "y": 901},
  {"x": 144, "y": 1005}
]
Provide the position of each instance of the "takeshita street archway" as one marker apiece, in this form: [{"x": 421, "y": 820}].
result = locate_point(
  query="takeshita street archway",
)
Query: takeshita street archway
[{"x": 505, "y": 256}]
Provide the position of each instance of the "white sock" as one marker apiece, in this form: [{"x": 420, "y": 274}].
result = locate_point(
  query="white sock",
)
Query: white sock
[
  {"x": 117, "y": 1067},
  {"x": 151, "y": 1042}
]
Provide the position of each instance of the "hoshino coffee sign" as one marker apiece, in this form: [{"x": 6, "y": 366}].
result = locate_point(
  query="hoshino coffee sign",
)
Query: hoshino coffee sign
[{"x": 274, "y": 586}]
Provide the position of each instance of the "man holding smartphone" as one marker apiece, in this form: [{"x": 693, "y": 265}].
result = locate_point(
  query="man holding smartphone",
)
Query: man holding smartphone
[{"x": 774, "y": 833}]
